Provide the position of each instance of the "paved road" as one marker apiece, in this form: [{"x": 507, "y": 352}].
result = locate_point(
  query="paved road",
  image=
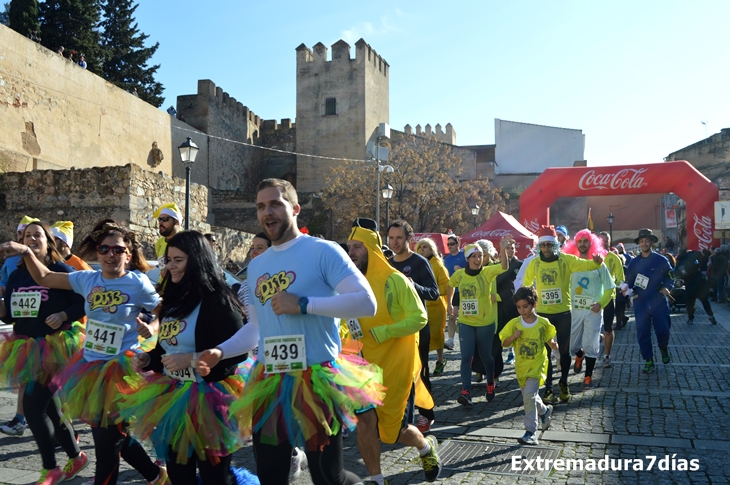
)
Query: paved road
[{"x": 678, "y": 413}]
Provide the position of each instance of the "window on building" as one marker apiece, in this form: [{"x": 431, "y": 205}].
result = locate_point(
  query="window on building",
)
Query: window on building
[{"x": 330, "y": 106}]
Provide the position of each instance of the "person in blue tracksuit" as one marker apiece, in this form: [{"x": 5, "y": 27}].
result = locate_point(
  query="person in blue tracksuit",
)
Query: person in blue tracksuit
[{"x": 649, "y": 282}]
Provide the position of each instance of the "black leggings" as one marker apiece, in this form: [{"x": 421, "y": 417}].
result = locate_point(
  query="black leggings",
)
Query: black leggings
[
  {"x": 45, "y": 422},
  {"x": 219, "y": 474},
  {"x": 608, "y": 313},
  {"x": 620, "y": 312},
  {"x": 561, "y": 322},
  {"x": 109, "y": 444},
  {"x": 326, "y": 466},
  {"x": 697, "y": 291}
]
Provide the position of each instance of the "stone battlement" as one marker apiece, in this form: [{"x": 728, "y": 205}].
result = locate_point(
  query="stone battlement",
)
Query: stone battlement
[
  {"x": 225, "y": 102},
  {"x": 270, "y": 127},
  {"x": 341, "y": 52},
  {"x": 448, "y": 136}
]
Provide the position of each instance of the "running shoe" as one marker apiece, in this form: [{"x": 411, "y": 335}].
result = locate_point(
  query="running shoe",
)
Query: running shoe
[
  {"x": 490, "y": 391},
  {"x": 449, "y": 344},
  {"x": 564, "y": 392},
  {"x": 690, "y": 321},
  {"x": 14, "y": 427},
  {"x": 465, "y": 398},
  {"x": 606, "y": 361},
  {"x": 75, "y": 465},
  {"x": 588, "y": 382},
  {"x": 546, "y": 418},
  {"x": 423, "y": 424},
  {"x": 578, "y": 368},
  {"x": 430, "y": 462},
  {"x": 295, "y": 468},
  {"x": 648, "y": 367},
  {"x": 666, "y": 358},
  {"x": 550, "y": 397},
  {"x": 162, "y": 478},
  {"x": 529, "y": 439},
  {"x": 713, "y": 321},
  {"x": 50, "y": 477},
  {"x": 439, "y": 369},
  {"x": 510, "y": 357}
]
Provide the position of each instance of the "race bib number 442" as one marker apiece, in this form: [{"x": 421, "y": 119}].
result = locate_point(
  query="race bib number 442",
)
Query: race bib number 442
[
  {"x": 25, "y": 304},
  {"x": 285, "y": 353}
]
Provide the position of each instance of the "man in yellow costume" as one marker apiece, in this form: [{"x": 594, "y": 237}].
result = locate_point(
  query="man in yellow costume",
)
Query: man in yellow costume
[
  {"x": 168, "y": 218},
  {"x": 390, "y": 340}
]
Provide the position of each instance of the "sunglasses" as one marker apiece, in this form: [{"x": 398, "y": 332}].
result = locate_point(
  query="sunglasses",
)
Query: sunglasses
[
  {"x": 105, "y": 248},
  {"x": 547, "y": 244},
  {"x": 164, "y": 219},
  {"x": 451, "y": 244}
]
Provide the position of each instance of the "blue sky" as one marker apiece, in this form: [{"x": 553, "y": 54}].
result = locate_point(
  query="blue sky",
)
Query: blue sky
[{"x": 637, "y": 77}]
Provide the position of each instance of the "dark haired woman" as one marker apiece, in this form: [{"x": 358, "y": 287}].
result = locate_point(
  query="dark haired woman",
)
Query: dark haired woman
[
  {"x": 88, "y": 385},
  {"x": 45, "y": 336},
  {"x": 184, "y": 414}
]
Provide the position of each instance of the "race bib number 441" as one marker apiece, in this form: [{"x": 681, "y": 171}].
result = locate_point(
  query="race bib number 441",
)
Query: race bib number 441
[
  {"x": 25, "y": 304},
  {"x": 285, "y": 353},
  {"x": 103, "y": 338},
  {"x": 551, "y": 296}
]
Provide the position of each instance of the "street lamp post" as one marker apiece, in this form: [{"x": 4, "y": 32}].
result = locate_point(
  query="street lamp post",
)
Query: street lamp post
[
  {"x": 188, "y": 152},
  {"x": 610, "y": 219},
  {"x": 475, "y": 212},
  {"x": 387, "y": 191}
]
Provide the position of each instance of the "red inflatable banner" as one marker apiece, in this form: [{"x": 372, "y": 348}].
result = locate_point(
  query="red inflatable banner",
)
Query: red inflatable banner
[{"x": 679, "y": 177}]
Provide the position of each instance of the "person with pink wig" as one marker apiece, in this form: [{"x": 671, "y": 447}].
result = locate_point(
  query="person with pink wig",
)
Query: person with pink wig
[{"x": 590, "y": 292}]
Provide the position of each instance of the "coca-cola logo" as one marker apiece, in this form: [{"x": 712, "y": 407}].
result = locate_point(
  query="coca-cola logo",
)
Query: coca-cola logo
[
  {"x": 492, "y": 233},
  {"x": 702, "y": 228},
  {"x": 532, "y": 226},
  {"x": 627, "y": 178}
]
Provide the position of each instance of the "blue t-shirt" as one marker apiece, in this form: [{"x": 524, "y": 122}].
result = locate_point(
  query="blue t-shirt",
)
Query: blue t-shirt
[
  {"x": 177, "y": 335},
  {"x": 117, "y": 301},
  {"x": 310, "y": 267},
  {"x": 451, "y": 262},
  {"x": 10, "y": 265}
]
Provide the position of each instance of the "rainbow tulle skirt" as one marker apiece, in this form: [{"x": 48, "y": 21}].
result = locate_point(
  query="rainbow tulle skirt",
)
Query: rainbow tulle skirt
[
  {"x": 188, "y": 417},
  {"x": 307, "y": 407},
  {"x": 24, "y": 359}
]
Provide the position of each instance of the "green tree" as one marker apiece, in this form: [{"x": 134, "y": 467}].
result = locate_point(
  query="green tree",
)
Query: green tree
[
  {"x": 74, "y": 25},
  {"x": 126, "y": 57},
  {"x": 23, "y": 16},
  {"x": 429, "y": 191},
  {"x": 4, "y": 14}
]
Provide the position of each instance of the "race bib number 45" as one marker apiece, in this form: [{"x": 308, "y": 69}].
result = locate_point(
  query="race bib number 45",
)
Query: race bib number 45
[
  {"x": 103, "y": 338},
  {"x": 582, "y": 302},
  {"x": 285, "y": 353},
  {"x": 551, "y": 296},
  {"x": 470, "y": 307},
  {"x": 25, "y": 304}
]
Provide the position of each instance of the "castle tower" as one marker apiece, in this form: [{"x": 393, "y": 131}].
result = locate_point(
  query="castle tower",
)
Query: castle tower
[{"x": 340, "y": 103}]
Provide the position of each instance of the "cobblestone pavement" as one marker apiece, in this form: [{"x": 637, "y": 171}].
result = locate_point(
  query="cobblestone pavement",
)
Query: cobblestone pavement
[{"x": 680, "y": 412}]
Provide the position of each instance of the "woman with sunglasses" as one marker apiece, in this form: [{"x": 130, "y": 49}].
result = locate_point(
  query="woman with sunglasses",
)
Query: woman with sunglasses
[
  {"x": 46, "y": 334},
  {"x": 113, "y": 298},
  {"x": 477, "y": 315},
  {"x": 184, "y": 414}
]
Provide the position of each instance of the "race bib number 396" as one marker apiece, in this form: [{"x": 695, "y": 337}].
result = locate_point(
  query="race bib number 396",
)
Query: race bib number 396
[
  {"x": 25, "y": 304},
  {"x": 104, "y": 338},
  {"x": 285, "y": 353},
  {"x": 470, "y": 307},
  {"x": 551, "y": 296}
]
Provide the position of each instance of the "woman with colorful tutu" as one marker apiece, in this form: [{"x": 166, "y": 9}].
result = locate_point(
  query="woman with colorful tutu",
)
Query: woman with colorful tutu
[
  {"x": 87, "y": 386},
  {"x": 184, "y": 414},
  {"x": 46, "y": 334}
]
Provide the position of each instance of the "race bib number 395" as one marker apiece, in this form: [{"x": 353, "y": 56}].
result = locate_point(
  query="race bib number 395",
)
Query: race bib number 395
[
  {"x": 551, "y": 296},
  {"x": 285, "y": 353},
  {"x": 25, "y": 304},
  {"x": 103, "y": 338}
]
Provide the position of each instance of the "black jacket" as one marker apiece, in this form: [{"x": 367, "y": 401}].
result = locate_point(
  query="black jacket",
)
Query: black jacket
[{"x": 216, "y": 324}]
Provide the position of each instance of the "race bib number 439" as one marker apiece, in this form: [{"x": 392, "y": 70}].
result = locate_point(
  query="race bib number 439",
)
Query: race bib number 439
[
  {"x": 25, "y": 304},
  {"x": 285, "y": 353},
  {"x": 551, "y": 296},
  {"x": 103, "y": 338}
]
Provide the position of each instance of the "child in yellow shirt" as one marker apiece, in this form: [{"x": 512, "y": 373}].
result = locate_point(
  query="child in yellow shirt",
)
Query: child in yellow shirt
[{"x": 528, "y": 334}]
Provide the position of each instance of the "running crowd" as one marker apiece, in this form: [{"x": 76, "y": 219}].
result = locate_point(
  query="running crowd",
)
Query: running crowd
[{"x": 319, "y": 340}]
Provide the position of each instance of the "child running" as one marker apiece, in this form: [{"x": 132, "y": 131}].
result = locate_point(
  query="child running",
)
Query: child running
[{"x": 528, "y": 334}]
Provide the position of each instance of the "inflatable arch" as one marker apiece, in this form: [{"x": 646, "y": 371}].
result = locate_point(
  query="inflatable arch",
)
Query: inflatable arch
[{"x": 679, "y": 177}]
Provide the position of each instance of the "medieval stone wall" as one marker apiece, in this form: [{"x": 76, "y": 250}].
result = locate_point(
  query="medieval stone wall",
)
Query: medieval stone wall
[{"x": 53, "y": 114}]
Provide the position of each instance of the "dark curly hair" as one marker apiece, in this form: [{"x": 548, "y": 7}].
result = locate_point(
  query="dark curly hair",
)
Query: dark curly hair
[
  {"x": 526, "y": 293},
  {"x": 106, "y": 228}
]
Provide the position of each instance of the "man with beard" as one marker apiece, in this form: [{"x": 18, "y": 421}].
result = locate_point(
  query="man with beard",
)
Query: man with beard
[
  {"x": 168, "y": 219},
  {"x": 551, "y": 271},
  {"x": 590, "y": 292},
  {"x": 390, "y": 340},
  {"x": 649, "y": 282},
  {"x": 301, "y": 391}
]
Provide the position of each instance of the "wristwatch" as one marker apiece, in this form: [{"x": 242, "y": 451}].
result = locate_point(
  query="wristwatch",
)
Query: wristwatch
[{"x": 303, "y": 301}]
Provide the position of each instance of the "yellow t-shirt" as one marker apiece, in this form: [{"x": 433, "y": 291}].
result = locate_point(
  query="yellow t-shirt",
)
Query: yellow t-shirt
[
  {"x": 531, "y": 357},
  {"x": 613, "y": 263},
  {"x": 477, "y": 309},
  {"x": 553, "y": 281}
]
